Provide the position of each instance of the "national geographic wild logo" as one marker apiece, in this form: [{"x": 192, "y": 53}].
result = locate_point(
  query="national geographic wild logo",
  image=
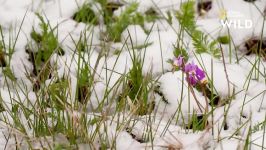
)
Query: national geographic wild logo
[{"x": 234, "y": 19}]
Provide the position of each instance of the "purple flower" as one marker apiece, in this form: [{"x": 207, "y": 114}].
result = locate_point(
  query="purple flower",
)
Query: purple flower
[
  {"x": 190, "y": 67},
  {"x": 200, "y": 74},
  {"x": 178, "y": 62},
  {"x": 192, "y": 80},
  {"x": 195, "y": 74}
]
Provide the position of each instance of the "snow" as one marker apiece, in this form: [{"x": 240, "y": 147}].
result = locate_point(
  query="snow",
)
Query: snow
[
  {"x": 236, "y": 77},
  {"x": 258, "y": 140},
  {"x": 228, "y": 144},
  {"x": 20, "y": 65},
  {"x": 155, "y": 56},
  {"x": 6, "y": 143},
  {"x": 211, "y": 26},
  {"x": 62, "y": 8},
  {"x": 183, "y": 141},
  {"x": 160, "y": 25},
  {"x": 125, "y": 141},
  {"x": 240, "y": 82},
  {"x": 134, "y": 35},
  {"x": 178, "y": 96},
  {"x": 257, "y": 71}
]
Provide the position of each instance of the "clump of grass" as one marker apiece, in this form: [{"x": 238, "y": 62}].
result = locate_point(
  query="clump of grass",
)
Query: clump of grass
[
  {"x": 60, "y": 114},
  {"x": 138, "y": 90},
  {"x": 5, "y": 52},
  {"x": 4, "y": 64},
  {"x": 48, "y": 114},
  {"x": 7, "y": 72},
  {"x": 47, "y": 44},
  {"x": 135, "y": 81},
  {"x": 108, "y": 9},
  {"x": 85, "y": 75},
  {"x": 129, "y": 16},
  {"x": 116, "y": 25},
  {"x": 197, "y": 122},
  {"x": 57, "y": 91},
  {"x": 59, "y": 118},
  {"x": 84, "y": 82},
  {"x": 86, "y": 15}
]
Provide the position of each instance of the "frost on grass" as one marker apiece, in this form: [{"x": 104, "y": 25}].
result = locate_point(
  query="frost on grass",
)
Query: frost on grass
[{"x": 106, "y": 74}]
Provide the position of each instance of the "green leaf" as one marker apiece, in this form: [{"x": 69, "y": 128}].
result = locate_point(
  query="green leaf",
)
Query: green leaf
[
  {"x": 201, "y": 42},
  {"x": 181, "y": 52}
]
